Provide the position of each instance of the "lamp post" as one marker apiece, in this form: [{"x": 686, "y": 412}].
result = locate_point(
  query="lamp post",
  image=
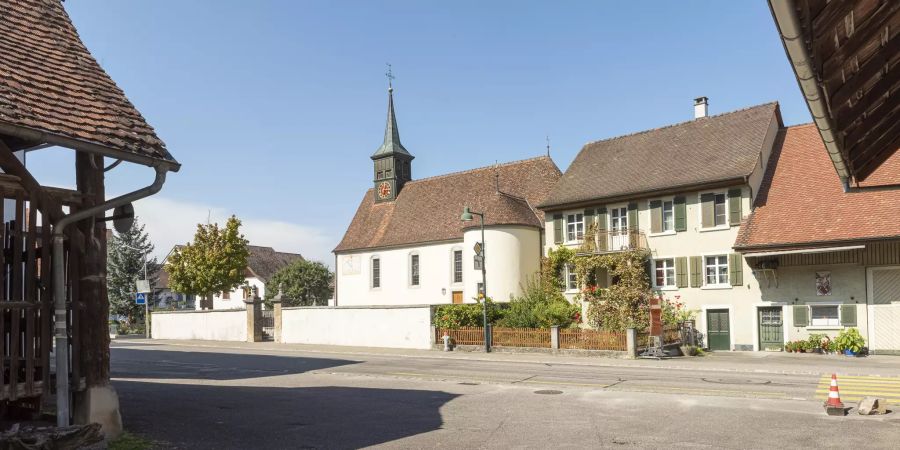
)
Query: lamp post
[{"x": 467, "y": 216}]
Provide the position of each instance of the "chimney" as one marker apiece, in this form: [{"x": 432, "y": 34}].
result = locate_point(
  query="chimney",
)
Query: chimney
[{"x": 701, "y": 107}]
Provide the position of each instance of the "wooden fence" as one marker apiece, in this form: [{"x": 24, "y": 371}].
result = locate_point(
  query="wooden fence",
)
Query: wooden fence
[
  {"x": 577, "y": 338},
  {"x": 520, "y": 337}
]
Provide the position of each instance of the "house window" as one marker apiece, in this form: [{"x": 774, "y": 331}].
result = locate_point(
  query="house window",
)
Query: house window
[
  {"x": 457, "y": 266},
  {"x": 575, "y": 227},
  {"x": 668, "y": 216},
  {"x": 824, "y": 316},
  {"x": 571, "y": 278},
  {"x": 226, "y": 295},
  {"x": 414, "y": 270},
  {"x": 376, "y": 272},
  {"x": 717, "y": 270},
  {"x": 720, "y": 218},
  {"x": 665, "y": 272}
]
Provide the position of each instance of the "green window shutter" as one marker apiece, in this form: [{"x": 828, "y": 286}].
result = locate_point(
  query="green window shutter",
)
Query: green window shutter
[
  {"x": 736, "y": 269},
  {"x": 734, "y": 207},
  {"x": 602, "y": 278},
  {"x": 633, "y": 216},
  {"x": 656, "y": 216},
  {"x": 557, "y": 229},
  {"x": 707, "y": 210},
  {"x": 801, "y": 315},
  {"x": 681, "y": 272},
  {"x": 696, "y": 271},
  {"x": 680, "y": 214},
  {"x": 848, "y": 315},
  {"x": 602, "y": 241}
]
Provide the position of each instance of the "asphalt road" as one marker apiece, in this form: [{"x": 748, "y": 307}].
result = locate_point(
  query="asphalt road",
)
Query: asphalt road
[{"x": 199, "y": 397}]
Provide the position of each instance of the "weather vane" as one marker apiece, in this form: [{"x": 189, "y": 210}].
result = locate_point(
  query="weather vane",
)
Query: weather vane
[{"x": 390, "y": 76}]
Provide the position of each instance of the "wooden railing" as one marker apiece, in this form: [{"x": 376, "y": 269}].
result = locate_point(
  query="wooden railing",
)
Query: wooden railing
[
  {"x": 462, "y": 336},
  {"x": 520, "y": 337},
  {"x": 577, "y": 338},
  {"x": 611, "y": 241}
]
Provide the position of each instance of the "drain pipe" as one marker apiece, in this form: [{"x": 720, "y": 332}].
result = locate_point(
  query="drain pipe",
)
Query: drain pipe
[{"x": 59, "y": 287}]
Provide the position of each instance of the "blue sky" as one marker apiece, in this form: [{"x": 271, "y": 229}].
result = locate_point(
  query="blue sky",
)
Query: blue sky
[{"x": 273, "y": 107}]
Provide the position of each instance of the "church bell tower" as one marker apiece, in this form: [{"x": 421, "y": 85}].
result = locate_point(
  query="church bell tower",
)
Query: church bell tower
[{"x": 393, "y": 164}]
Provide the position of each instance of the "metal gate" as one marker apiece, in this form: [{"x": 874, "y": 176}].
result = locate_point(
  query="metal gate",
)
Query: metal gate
[
  {"x": 771, "y": 328},
  {"x": 268, "y": 324},
  {"x": 717, "y": 329}
]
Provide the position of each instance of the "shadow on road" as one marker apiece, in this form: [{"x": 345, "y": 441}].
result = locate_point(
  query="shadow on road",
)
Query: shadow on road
[
  {"x": 196, "y": 416},
  {"x": 161, "y": 364}
]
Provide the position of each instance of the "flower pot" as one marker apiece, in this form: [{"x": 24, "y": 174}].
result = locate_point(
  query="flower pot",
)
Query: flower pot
[{"x": 849, "y": 352}]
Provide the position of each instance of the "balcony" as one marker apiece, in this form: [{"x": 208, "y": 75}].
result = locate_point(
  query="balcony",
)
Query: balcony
[{"x": 613, "y": 241}]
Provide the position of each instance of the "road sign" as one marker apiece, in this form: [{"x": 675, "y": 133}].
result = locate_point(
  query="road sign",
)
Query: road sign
[
  {"x": 478, "y": 248},
  {"x": 479, "y": 260},
  {"x": 143, "y": 286},
  {"x": 140, "y": 298}
]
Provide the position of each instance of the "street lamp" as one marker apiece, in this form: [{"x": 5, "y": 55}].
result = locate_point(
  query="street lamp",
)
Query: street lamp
[{"x": 467, "y": 217}]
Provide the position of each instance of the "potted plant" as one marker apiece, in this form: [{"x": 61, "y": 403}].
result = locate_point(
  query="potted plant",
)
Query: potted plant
[
  {"x": 833, "y": 347},
  {"x": 850, "y": 341},
  {"x": 815, "y": 342},
  {"x": 789, "y": 347}
]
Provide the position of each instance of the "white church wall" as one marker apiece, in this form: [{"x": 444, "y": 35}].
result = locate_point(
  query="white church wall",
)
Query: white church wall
[{"x": 513, "y": 253}]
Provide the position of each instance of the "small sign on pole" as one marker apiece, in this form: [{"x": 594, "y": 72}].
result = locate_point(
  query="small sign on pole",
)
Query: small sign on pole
[
  {"x": 140, "y": 298},
  {"x": 143, "y": 286},
  {"x": 479, "y": 260},
  {"x": 478, "y": 248}
]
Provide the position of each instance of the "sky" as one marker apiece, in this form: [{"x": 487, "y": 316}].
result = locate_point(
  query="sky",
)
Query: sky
[{"x": 274, "y": 107}]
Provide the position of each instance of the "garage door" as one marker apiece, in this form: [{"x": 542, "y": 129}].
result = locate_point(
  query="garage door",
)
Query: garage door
[{"x": 884, "y": 295}]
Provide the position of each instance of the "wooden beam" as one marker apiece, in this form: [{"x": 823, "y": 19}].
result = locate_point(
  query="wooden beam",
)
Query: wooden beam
[
  {"x": 885, "y": 112},
  {"x": 886, "y": 57},
  {"x": 885, "y": 16},
  {"x": 874, "y": 143},
  {"x": 11, "y": 165},
  {"x": 12, "y": 185},
  {"x": 870, "y": 166}
]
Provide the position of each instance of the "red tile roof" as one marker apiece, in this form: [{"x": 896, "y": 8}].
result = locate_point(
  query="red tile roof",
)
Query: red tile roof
[
  {"x": 428, "y": 210},
  {"x": 718, "y": 148},
  {"x": 801, "y": 202},
  {"x": 50, "y": 83}
]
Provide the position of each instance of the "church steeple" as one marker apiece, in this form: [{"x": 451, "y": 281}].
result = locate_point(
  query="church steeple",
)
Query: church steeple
[{"x": 392, "y": 161}]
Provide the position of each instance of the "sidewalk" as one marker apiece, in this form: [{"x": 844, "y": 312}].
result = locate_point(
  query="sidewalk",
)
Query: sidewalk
[{"x": 740, "y": 362}]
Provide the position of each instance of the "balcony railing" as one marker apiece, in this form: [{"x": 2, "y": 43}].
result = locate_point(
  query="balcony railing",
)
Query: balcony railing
[{"x": 612, "y": 241}]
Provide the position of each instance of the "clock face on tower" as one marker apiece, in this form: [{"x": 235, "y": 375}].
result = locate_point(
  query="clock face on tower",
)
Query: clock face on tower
[{"x": 384, "y": 190}]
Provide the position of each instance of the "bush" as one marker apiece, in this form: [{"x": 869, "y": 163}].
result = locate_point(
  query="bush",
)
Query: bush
[
  {"x": 850, "y": 339},
  {"x": 466, "y": 314},
  {"x": 540, "y": 306}
]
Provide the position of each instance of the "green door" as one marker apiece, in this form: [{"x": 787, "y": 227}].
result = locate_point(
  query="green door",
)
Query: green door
[
  {"x": 771, "y": 328},
  {"x": 717, "y": 331}
]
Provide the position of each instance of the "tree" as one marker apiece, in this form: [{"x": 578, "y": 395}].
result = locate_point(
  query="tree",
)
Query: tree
[
  {"x": 125, "y": 264},
  {"x": 214, "y": 262},
  {"x": 304, "y": 283}
]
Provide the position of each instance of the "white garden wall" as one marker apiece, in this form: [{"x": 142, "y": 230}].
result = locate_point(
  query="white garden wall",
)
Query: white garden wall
[
  {"x": 367, "y": 326},
  {"x": 229, "y": 325}
]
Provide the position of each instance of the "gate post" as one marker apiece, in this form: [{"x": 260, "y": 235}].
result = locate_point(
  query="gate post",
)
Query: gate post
[
  {"x": 554, "y": 337},
  {"x": 276, "y": 306},
  {"x": 254, "y": 319},
  {"x": 631, "y": 342}
]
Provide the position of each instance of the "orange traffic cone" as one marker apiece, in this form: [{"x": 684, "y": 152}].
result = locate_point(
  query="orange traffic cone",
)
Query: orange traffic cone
[{"x": 834, "y": 406}]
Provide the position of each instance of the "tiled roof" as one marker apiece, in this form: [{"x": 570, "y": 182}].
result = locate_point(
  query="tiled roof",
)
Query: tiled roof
[
  {"x": 265, "y": 261},
  {"x": 50, "y": 83},
  {"x": 428, "y": 210},
  {"x": 801, "y": 202},
  {"x": 706, "y": 150}
]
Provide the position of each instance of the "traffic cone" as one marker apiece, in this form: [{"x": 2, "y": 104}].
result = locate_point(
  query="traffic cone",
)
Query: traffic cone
[{"x": 834, "y": 406}]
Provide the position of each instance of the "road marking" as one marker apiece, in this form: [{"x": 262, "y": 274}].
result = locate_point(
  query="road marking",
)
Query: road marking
[
  {"x": 709, "y": 392},
  {"x": 494, "y": 380},
  {"x": 854, "y": 388}
]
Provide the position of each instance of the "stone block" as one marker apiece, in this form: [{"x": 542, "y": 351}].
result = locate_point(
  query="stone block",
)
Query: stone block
[{"x": 871, "y": 406}]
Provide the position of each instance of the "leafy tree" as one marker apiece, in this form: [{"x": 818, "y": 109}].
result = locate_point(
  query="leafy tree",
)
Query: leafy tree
[
  {"x": 214, "y": 262},
  {"x": 305, "y": 283},
  {"x": 125, "y": 264},
  {"x": 541, "y": 305}
]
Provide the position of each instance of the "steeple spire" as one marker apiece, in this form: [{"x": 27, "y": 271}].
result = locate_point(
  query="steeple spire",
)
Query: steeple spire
[{"x": 391, "y": 143}]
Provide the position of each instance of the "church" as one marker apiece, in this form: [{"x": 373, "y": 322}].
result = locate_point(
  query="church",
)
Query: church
[{"x": 407, "y": 244}]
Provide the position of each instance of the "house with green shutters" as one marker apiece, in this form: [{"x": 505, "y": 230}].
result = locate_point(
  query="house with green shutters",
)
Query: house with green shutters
[{"x": 681, "y": 192}]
